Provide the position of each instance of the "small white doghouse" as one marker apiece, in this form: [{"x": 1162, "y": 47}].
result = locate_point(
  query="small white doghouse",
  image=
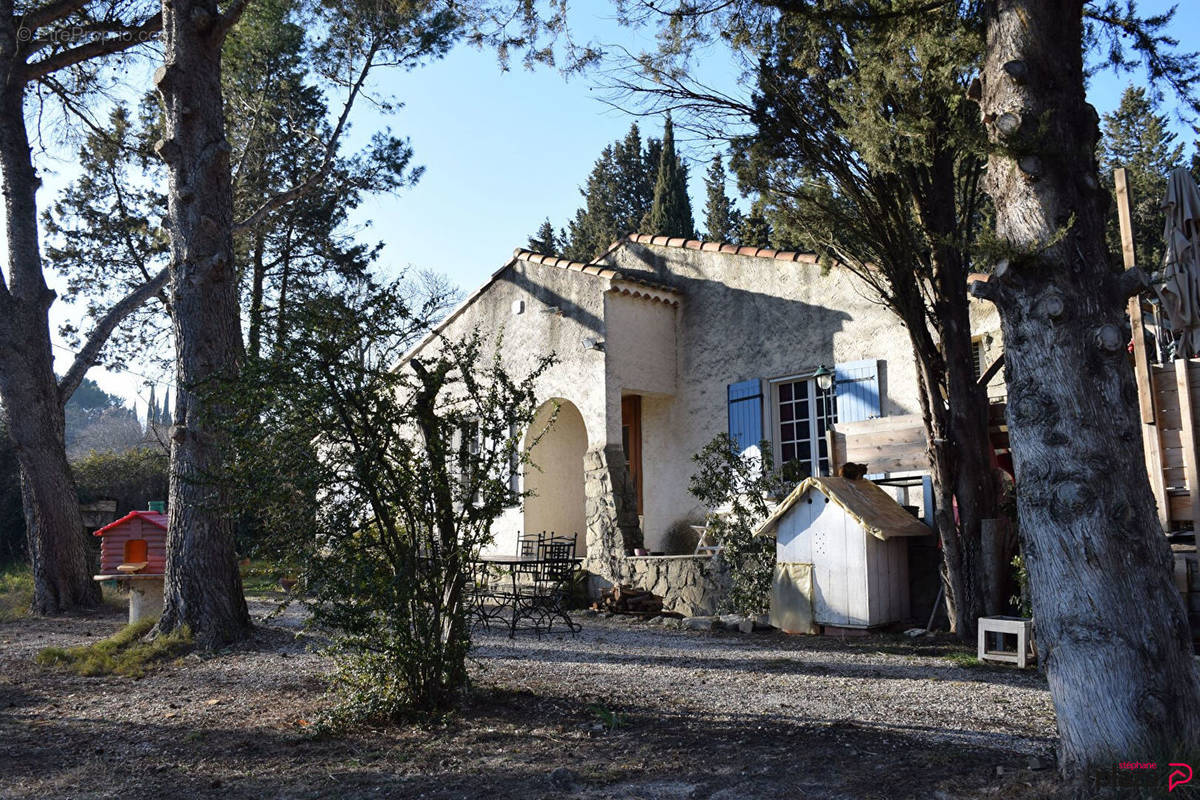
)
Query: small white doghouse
[{"x": 841, "y": 556}]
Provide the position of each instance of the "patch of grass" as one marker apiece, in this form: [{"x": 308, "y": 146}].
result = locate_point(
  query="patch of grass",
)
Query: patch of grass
[
  {"x": 964, "y": 660},
  {"x": 608, "y": 717},
  {"x": 16, "y": 592},
  {"x": 123, "y": 653},
  {"x": 261, "y": 577}
]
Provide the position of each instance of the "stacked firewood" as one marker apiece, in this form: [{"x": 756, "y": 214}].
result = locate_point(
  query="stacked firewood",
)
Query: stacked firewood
[{"x": 628, "y": 600}]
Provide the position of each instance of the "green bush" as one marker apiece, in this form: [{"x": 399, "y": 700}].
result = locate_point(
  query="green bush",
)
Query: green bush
[
  {"x": 736, "y": 489},
  {"x": 16, "y": 592},
  {"x": 379, "y": 485},
  {"x": 132, "y": 478}
]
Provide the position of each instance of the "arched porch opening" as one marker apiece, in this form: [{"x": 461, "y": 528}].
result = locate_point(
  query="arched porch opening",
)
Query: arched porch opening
[{"x": 555, "y": 478}]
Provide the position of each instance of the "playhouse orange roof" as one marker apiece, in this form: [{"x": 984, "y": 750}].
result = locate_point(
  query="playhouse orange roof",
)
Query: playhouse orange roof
[{"x": 153, "y": 517}]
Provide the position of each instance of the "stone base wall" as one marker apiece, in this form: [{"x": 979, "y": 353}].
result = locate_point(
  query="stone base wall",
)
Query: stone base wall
[
  {"x": 611, "y": 511},
  {"x": 690, "y": 585}
]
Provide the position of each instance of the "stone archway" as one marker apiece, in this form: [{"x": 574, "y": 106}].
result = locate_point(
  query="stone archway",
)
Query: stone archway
[{"x": 556, "y": 477}]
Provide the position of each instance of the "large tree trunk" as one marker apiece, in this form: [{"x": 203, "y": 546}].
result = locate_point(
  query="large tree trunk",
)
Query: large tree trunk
[
  {"x": 1111, "y": 628},
  {"x": 203, "y": 587},
  {"x": 28, "y": 389}
]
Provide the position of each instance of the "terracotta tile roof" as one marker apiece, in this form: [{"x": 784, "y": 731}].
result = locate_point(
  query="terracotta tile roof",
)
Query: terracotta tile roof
[
  {"x": 716, "y": 247},
  {"x": 619, "y": 282},
  {"x": 626, "y": 283}
]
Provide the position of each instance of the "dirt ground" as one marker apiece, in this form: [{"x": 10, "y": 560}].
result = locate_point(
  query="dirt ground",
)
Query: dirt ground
[{"x": 619, "y": 711}]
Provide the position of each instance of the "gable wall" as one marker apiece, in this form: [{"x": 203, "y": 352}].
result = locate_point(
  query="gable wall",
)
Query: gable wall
[
  {"x": 742, "y": 318},
  {"x": 537, "y": 331}
]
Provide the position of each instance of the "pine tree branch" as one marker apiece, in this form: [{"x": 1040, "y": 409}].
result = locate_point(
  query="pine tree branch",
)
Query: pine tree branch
[
  {"x": 89, "y": 356},
  {"x": 125, "y": 39},
  {"x": 281, "y": 199},
  {"x": 231, "y": 15},
  {"x": 51, "y": 12}
]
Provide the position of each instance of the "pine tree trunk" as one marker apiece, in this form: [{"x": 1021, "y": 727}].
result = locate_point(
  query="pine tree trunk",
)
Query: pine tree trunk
[
  {"x": 1111, "y": 628},
  {"x": 28, "y": 388},
  {"x": 203, "y": 587},
  {"x": 257, "y": 280},
  {"x": 963, "y": 451},
  {"x": 961, "y": 561}
]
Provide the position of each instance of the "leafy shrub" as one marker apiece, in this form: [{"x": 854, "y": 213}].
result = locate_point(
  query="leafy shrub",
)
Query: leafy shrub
[
  {"x": 735, "y": 488},
  {"x": 132, "y": 478},
  {"x": 124, "y": 653},
  {"x": 1021, "y": 600},
  {"x": 379, "y": 484},
  {"x": 16, "y": 593}
]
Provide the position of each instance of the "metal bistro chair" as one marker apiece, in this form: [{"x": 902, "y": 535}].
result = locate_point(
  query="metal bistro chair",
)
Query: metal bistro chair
[
  {"x": 484, "y": 596},
  {"x": 522, "y": 595},
  {"x": 557, "y": 565}
]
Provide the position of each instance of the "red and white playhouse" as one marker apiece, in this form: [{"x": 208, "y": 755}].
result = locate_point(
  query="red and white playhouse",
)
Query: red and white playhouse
[{"x": 133, "y": 551}]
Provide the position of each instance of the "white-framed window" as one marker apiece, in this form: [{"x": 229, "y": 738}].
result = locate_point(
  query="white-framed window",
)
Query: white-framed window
[{"x": 801, "y": 414}]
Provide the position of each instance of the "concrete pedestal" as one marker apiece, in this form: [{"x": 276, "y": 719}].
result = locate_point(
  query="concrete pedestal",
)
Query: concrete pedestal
[
  {"x": 145, "y": 598},
  {"x": 145, "y": 594}
]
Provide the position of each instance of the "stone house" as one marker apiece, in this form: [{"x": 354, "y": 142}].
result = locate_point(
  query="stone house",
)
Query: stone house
[{"x": 663, "y": 344}]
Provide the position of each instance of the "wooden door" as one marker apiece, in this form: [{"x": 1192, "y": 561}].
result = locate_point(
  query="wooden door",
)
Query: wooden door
[{"x": 631, "y": 441}]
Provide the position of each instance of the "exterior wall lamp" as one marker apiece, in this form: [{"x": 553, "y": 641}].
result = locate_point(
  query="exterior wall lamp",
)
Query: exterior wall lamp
[{"x": 824, "y": 376}]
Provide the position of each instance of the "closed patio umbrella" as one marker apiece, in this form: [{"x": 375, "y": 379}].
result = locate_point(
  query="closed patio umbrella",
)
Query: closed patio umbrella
[{"x": 1180, "y": 292}]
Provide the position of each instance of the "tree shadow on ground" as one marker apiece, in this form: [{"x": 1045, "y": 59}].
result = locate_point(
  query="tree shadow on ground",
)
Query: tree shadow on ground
[{"x": 503, "y": 744}]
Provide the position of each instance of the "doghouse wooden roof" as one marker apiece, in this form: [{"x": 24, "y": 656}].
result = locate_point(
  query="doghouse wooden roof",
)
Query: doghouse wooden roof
[
  {"x": 869, "y": 506},
  {"x": 152, "y": 517}
]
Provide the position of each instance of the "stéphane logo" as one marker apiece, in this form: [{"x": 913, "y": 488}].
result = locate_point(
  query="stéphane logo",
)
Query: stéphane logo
[{"x": 1179, "y": 775}]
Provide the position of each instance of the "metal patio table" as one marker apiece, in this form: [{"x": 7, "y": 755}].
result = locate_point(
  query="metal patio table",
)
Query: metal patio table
[{"x": 538, "y": 591}]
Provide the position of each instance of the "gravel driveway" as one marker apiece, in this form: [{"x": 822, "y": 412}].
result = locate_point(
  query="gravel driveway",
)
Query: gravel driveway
[
  {"x": 622, "y": 710},
  {"x": 884, "y": 682}
]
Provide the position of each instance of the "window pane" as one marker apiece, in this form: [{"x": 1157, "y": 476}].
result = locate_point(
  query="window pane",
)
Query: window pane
[
  {"x": 787, "y": 432},
  {"x": 786, "y": 412},
  {"x": 803, "y": 452},
  {"x": 789, "y": 452},
  {"x": 802, "y": 406},
  {"x": 785, "y": 392}
]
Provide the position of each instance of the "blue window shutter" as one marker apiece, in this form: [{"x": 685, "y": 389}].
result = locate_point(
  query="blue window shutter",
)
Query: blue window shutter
[
  {"x": 746, "y": 414},
  {"x": 857, "y": 388}
]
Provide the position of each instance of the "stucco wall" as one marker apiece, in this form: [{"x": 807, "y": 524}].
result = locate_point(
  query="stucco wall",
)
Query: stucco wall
[
  {"x": 740, "y": 318},
  {"x": 985, "y": 326},
  {"x": 562, "y": 311}
]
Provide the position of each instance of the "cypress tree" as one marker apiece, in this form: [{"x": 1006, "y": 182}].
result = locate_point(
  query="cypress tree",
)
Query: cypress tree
[
  {"x": 617, "y": 196},
  {"x": 545, "y": 241},
  {"x": 753, "y": 229},
  {"x": 1135, "y": 136},
  {"x": 721, "y": 219},
  {"x": 671, "y": 212},
  {"x": 151, "y": 412}
]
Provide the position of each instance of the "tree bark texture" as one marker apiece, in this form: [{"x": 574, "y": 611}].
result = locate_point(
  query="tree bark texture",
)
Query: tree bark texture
[
  {"x": 203, "y": 588},
  {"x": 33, "y": 408},
  {"x": 1111, "y": 628}
]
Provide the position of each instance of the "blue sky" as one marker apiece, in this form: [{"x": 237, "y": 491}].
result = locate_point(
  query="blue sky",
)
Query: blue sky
[{"x": 504, "y": 150}]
